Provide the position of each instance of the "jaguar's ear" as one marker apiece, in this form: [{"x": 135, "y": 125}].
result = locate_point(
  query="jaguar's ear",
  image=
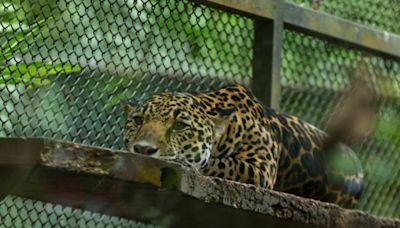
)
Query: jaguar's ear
[
  {"x": 129, "y": 106},
  {"x": 220, "y": 117}
]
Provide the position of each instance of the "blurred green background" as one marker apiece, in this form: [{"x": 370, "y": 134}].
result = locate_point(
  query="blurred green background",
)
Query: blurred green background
[{"x": 64, "y": 66}]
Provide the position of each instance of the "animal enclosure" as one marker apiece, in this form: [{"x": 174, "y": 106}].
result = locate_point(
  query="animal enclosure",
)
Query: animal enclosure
[{"x": 65, "y": 65}]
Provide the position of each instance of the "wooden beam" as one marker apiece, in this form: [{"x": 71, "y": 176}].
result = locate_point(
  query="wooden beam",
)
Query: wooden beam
[{"x": 158, "y": 192}]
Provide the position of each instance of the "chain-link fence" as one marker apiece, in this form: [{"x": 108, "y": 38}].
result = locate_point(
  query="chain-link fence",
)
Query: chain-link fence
[
  {"x": 22, "y": 212},
  {"x": 380, "y": 14},
  {"x": 64, "y": 66},
  {"x": 313, "y": 73},
  {"x": 67, "y": 65}
]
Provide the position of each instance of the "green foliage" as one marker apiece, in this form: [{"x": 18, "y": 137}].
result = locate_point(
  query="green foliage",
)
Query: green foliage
[
  {"x": 388, "y": 126},
  {"x": 36, "y": 73},
  {"x": 17, "y": 34}
]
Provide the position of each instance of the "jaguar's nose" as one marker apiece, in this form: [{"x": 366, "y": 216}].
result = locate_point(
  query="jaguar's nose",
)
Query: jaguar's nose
[{"x": 145, "y": 149}]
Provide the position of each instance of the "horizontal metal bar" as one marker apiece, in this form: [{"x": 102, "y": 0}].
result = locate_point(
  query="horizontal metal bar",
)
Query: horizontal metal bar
[
  {"x": 341, "y": 29},
  {"x": 255, "y": 8},
  {"x": 317, "y": 23}
]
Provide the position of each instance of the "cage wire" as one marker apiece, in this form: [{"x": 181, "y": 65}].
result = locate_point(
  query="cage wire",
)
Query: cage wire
[
  {"x": 65, "y": 65},
  {"x": 380, "y": 14},
  {"x": 22, "y": 212},
  {"x": 314, "y": 72}
]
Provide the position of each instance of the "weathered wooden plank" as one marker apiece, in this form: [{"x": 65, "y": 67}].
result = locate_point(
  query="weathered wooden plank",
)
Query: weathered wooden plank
[{"x": 150, "y": 190}]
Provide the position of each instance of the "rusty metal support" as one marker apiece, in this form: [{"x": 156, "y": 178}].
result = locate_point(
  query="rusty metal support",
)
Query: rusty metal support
[
  {"x": 267, "y": 49},
  {"x": 252, "y": 8}
]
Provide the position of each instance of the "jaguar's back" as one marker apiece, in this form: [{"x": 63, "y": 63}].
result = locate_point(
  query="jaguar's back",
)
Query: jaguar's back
[{"x": 305, "y": 169}]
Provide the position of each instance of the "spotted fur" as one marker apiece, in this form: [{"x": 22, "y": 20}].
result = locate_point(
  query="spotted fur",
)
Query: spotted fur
[{"x": 229, "y": 134}]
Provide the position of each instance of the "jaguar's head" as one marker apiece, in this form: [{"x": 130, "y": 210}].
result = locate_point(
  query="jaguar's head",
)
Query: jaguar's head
[{"x": 174, "y": 127}]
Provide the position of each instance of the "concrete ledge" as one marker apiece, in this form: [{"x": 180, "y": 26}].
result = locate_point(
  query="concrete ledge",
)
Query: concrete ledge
[{"x": 150, "y": 190}]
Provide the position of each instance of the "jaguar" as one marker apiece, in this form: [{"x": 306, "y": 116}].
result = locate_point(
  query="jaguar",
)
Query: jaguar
[{"x": 228, "y": 133}]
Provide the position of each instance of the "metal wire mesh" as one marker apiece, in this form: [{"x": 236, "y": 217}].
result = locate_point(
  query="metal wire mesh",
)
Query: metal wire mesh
[
  {"x": 67, "y": 65},
  {"x": 380, "y": 14},
  {"x": 64, "y": 66},
  {"x": 21, "y": 212},
  {"x": 313, "y": 74}
]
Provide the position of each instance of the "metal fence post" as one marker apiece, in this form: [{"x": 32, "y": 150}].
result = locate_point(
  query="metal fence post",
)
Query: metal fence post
[{"x": 267, "y": 47}]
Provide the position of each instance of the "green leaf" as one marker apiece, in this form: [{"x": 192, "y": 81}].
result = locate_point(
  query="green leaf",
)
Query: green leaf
[
  {"x": 36, "y": 73},
  {"x": 20, "y": 42}
]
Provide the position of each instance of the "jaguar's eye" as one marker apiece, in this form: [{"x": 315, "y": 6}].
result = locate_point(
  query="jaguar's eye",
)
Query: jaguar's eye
[
  {"x": 138, "y": 120},
  {"x": 179, "y": 125}
]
